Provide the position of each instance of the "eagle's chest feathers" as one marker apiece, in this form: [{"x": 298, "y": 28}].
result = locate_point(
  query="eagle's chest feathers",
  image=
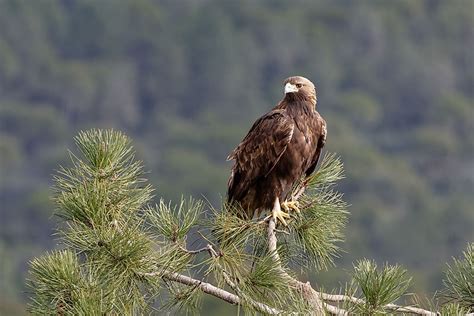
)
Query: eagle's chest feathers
[{"x": 304, "y": 140}]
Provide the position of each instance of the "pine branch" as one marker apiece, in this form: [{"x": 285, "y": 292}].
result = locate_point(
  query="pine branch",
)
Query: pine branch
[
  {"x": 379, "y": 288},
  {"x": 203, "y": 286},
  {"x": 459, "y": 280}
]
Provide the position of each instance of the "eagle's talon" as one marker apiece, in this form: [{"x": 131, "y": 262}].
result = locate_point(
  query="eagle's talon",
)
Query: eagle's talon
[
  {"x": 279, "y": 215},
  {"x": 291, "y": 205}
]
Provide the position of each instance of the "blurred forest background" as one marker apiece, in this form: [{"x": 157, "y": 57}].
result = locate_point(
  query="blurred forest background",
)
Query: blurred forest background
[{"x": 186, "y": 80}]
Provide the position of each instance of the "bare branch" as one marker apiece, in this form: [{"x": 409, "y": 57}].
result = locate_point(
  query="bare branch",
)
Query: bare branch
[
  {"x": 194, "y": 252},
  {"x": 410, "y": 309},
  {"x": 204, "y": 286},
  {"x": 392, "y": 307}
]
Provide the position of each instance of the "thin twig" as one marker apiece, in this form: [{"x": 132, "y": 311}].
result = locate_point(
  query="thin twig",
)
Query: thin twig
[
  {"x": 392, "y": 307},
  {"x": 193, "y": 252},
  {"x": 301, "y": 190},
  {"x": 212, "y": 251},
  {"x": 282, "y": 232},
  {"x": 410, "y": 309}
]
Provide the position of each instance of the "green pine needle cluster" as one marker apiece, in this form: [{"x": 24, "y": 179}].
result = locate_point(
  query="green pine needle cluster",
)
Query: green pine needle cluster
[
  {"x": 174, "y": 223},
  {"x": 265, "y": 283},
  {"x": 378, "y": 287},
  {"x": 459, "y": 281},
  {"x": 182, "y": 298},
  {"x": 243, "y": 257},
  {"x": 330, "y": 171},
  {"x": 453, "y": 309},
  {"x": 57, "y": 277},
  {"x": 106, "y": 186}
]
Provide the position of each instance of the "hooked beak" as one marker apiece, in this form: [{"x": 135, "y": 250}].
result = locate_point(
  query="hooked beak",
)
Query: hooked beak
[{"x": 289, "y": 88}]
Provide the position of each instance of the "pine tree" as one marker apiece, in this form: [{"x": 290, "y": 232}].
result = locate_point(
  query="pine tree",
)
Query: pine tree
[{"x": 122, "y": 256}]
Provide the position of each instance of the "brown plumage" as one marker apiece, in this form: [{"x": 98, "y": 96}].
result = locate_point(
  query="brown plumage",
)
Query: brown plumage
[{"x": 281, "y": 147}]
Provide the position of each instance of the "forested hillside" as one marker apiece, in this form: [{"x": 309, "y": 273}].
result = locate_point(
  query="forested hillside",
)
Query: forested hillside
[{"x": 186, "y": 79}]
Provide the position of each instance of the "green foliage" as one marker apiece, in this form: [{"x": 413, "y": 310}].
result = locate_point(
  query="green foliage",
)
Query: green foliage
[
  {"x": 459, "y": 281},
  {"x": 182, "y": 298},
  {"x": 170, "y": 225},
  {"x": 265, "y": 283},
  {"x": 232, "y": 234},
  {"x": 228, "y": 227},
  {"x": 174, "y": 223},
  {"x": 57, "y": 277},
  {"x": 330, "y": 171},
  {"x": 379, "y": 288},
  {"x": 319, "y": 229},
  {"x": 108, "y": 180},
  {"x": 453, "y": 309}
]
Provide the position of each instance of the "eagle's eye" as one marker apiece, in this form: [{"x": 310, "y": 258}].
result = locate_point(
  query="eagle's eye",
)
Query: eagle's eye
[{"x": 299, "y": 85}]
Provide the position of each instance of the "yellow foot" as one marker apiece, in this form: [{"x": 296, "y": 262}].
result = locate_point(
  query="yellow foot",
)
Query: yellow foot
[
  {"x": 291, "y": 205},
  {"x": 279, "y": 215}
]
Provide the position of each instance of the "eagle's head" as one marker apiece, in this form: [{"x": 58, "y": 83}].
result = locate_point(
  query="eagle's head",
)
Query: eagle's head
[{"x": 300, "y": 88}]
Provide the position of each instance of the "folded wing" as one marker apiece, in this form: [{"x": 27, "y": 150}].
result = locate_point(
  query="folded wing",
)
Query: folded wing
[{"x": 259, "y": 151}]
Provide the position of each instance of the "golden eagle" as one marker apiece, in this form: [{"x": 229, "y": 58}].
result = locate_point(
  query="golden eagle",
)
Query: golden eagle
[{"x": 281, "y": 147}]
